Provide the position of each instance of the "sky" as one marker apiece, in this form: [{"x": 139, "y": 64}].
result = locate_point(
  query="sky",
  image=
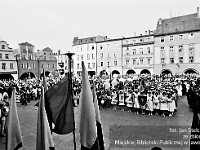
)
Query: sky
[{"x": 54, "y": 23}]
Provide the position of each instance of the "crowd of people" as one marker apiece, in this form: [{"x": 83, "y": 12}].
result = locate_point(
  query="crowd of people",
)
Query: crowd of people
[{"x": 142, "y": 95}]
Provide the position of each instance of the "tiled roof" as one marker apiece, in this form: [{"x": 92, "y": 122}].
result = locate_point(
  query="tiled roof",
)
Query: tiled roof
[{"x": 178, "y": 24}]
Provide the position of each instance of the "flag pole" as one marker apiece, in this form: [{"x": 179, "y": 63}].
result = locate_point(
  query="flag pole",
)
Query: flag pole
[{"x": 70, "y": 80}]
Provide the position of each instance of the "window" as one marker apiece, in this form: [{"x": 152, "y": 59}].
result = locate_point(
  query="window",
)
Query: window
[
  {"x": 48, "y": 66},
  {"x": 171, "y": 48},
  {"x": 141, "y": 61},
  {"x": 180, "y": 37},
  {"x": 191, "y": 49},
  {"x": 115, "y": 63},
  {"x": 108, "y": 63},
  {"x": 88, "y": 56},
  {"x": 92, "y": 47},
  {"x": 93, "y": 65},
  {"x": 108, "y": 54},
  {"x": 134, "y": 51},
  {"x": 53, "y": 66},
  {"x": 162, "y": 39},
  {"x": 171, "y": 37},
  {"x": 191, "y": 35},
  {"x": 115, "y": 54},
  {"x": 149, "y": 61},
  {"x": 180, "y": 48},
  {"x": 33, "y": 65},
  {"x": 3, "y": 46},
  {"x": 82, "y": 57},
  {"x": 101, "y": 64},
  {"x": 191, "y": 59},
  {"x": 127, "y": 48},
  {"x": 148, "y": 50},
  {"x": 92, "y": 56},
  {"x": 0, "y": 55},
  {"x": 162, "y": 51},
  {"x": 78, "y": 66},
  {"x": 44, "y": 53},
  {"x": 101, "y": 47},
  {"x": 11, "y": 65},
  {"x": 171, "y": 60},
  {"x": 127, "y": 62},
  {"x": 141, "y": 40},
  {"x": 77, "y": 57},
  {"x": 162, "y": 60},
  {"x": 101, "y": 55},
  {"x": 6, "y": 56},
  {"x": 3, "y": 66},
  {"x": 181, "y": 59},
  {"x": 42, "y": 66},
  {"x": 134, "y": 61},
  {"x": 141, "y": 50},
  {"x": 22, "y": 65}
]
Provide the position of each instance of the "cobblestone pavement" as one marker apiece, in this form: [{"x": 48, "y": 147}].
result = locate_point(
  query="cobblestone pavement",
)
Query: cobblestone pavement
[{"x": 109, "y": 117}]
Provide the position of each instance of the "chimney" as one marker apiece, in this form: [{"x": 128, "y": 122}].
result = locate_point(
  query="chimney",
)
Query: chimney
[
  {"x": 160, "y": 21},
  {"x": 198, "y": 12},
  {"x": 149, "y": 32},
  {"x": 135, "y": 34},
  {"x": 145, "y": 32},
  {"x": 58, "y": 52}
]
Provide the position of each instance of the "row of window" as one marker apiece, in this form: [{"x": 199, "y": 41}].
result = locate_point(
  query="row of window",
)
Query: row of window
[
  {"x": 6, "y": 56},
  {"x": 3, "y": 66},
  {"x": 88, "y": 48},
  {"x": 173, "y": 37},
  {"x": 191, "y": 60},
  {"x": 108, "y": 63},
  {"x": 180, "y": 50},
  {"x": 34, "y": 66},
  {"x": 141, "y": 51},
  {"x": 90, "y": 66},
  {"x": 141, "y": 61},
  {"x": 88, "y": 57}
]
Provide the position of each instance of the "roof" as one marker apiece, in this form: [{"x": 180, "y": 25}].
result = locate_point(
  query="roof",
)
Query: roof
[
  {"x": 180, "y": 24},
  {"x": 47, "y": 49},
  {"x": 26, "y": 44},
  {"x": 87, "y": 40}
]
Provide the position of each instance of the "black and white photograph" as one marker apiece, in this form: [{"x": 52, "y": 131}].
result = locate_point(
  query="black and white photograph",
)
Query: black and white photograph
[{"x": 100, "y": 75}]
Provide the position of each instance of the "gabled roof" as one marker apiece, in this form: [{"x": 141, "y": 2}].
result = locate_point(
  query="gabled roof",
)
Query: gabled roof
[
  {"x": 26, "y": 44},
  {"x": 180, "y": 24}
]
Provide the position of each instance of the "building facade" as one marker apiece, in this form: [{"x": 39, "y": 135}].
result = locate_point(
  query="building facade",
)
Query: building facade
[
  {"x": 31, "y": 65},
  {"x": 62, "y": 63},
  {"x": 8, "y": 63},
  {"x": 85, "y": 49},
  {"x": 109, "y": 57},
  {"x": 177, "y": 45},
  {"x": 138, "y": 54}
]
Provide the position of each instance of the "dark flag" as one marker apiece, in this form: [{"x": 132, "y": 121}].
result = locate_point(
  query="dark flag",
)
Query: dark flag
[
  {"x": 59, "y": 107},
  {"x": 87, "y": 123}
]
